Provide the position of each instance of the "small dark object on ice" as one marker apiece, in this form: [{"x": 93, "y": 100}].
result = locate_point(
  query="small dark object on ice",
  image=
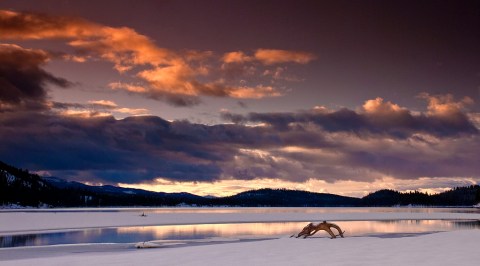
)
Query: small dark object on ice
[
  {"x": 147, "y": 244},
  {"x": 311, "y": 229},
  {"x": 143, "y": 215}
]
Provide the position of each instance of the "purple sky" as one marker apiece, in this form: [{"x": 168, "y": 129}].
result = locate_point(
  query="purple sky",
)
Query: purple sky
[{"x": 216, "y": 97}]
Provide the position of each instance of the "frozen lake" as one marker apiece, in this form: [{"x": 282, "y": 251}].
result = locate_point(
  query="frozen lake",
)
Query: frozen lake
[
  {"x": 233, "y": 230},
  {"x": 133, "y": 234}
]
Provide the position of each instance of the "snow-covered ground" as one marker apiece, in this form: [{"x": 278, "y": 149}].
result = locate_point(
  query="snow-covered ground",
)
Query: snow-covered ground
[
  {"x": 446, "y": 248},
  {"x": 442, "y": 248}
]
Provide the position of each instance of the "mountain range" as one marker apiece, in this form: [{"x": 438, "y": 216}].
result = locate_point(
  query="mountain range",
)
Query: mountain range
[{"x": 19, "y": 187}]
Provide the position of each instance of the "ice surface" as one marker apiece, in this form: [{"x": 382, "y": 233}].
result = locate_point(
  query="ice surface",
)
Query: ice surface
[{"x": 22, "y": 222}]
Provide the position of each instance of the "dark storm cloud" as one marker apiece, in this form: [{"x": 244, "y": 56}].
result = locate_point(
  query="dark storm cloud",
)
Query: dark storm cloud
[
  {"x": 398, "y": 123},
  {"x": 382, "y": 140},
  {"x": 65, "y": 106},
  {"x": 22, "y": 79},
  {"x": 130, "y": 150}
]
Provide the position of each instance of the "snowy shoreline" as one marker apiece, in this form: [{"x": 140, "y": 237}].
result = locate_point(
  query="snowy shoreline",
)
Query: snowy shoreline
[{"x": 445, "y": 248}]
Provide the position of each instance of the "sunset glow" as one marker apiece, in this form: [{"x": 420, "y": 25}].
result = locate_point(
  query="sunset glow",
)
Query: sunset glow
[{"x": 216, "y": 98}]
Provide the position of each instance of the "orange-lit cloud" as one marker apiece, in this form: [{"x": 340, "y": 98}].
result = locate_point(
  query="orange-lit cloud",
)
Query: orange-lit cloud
[
  {"x": 94, "y": 108},
  {"x": 165, "y": 85},
  {"x": 378, "y": 106},
  {"x": 167, "y": 75},
  {"x": 25, "y": 26},
  {"x": 254, "y": 92},
  {"x": 127, "y": 87},
  {"x": 445, "y": 105},
  {"x": 122, "y": 46},
  {"x": 125, "y": 48},
  {"x": 276, "y": 56},
  {"x": 236, "y": 57},
  {"x": 103, "y": 103},
  {"x": 110, "y": 105},
  {"x": 132, "y": 111},
  {"x": 269, "y": 57},
  {"x": 175, "y": 78},
  {"x": 84, "y": 113},
  {"x": 75, "y": 58}
]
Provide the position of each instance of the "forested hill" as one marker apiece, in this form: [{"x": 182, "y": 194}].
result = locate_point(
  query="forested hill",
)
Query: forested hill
[
  {"x": 19, "y": 187},
  {"x": 287, "y": 198},
  {"x": 460, "y": 196}
]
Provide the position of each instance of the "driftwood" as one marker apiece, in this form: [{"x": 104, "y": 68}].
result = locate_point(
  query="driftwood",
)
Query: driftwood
[{"x": 311, "y": 229}]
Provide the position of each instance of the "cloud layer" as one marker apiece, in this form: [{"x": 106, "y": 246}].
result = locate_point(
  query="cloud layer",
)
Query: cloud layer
[
  {"x": 177, "y": 77},
  {"x": 377, "y": 118},
  {"x": 381, "y": 140},
  {"x": 83, "y": 141}
]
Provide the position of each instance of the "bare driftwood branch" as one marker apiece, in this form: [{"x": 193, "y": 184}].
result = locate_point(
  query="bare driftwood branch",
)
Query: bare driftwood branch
[{"x": 311, "y": 229}]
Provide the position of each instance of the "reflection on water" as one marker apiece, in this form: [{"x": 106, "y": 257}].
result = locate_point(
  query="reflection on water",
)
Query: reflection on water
[{"x": 241, "y": 230}]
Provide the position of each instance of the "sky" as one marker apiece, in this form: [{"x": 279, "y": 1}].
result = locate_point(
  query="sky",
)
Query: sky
[{"x": 219, "y": 97}]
